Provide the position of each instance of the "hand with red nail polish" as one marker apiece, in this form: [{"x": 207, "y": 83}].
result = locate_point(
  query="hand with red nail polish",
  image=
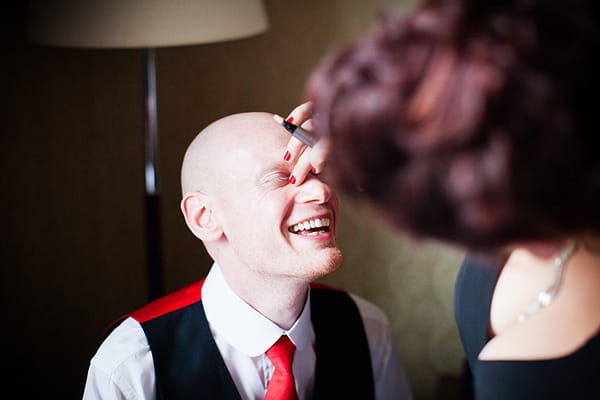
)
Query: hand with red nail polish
[{"x": 304, "y": 159}]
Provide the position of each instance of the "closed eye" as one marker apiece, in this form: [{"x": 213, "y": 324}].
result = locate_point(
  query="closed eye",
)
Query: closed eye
[{"x": 276, "y": 178}]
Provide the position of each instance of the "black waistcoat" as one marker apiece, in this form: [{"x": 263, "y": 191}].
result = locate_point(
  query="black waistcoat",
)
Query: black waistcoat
[{"x": 188, "y": 364}]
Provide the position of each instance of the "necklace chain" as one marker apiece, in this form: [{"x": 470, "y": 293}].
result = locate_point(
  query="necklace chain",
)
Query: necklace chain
[{"x": 545, "y": 297}]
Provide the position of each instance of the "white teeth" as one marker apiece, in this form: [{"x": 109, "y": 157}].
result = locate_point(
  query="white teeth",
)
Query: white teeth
[{"x": 313, "y": 223}]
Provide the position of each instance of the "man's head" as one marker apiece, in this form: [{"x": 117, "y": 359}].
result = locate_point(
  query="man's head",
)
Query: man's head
[{"x": 237, "y": 199}]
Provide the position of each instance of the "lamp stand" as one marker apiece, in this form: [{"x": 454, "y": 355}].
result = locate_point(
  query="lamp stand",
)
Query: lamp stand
[
  {"x": 146, "y": 25},
  {"x": 152, "y": 192}
]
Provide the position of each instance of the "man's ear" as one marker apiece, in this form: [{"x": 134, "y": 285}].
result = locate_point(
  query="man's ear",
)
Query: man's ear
[{"x": 200, "y": 216}]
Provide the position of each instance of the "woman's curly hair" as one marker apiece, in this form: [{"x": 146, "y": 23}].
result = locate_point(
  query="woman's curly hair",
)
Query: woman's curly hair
[{"x": 469, "y": 121}]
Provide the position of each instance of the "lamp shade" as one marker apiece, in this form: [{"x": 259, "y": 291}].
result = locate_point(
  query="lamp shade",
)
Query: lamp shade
[{"x": 142, "y": 23}]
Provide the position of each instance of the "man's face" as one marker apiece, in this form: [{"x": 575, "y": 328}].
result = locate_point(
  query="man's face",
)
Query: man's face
[{"x": 273, "y": 227}]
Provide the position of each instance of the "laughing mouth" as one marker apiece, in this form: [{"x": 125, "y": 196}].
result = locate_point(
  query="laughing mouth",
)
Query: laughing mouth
[{"x": 314, "y": 226}]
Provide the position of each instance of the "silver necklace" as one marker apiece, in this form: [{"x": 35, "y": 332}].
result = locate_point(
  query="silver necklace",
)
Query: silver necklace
[{"x": 545, "y": 297}]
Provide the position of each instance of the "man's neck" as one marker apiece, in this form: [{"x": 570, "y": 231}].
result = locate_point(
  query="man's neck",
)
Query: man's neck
[{"x": 281, "y": 300}]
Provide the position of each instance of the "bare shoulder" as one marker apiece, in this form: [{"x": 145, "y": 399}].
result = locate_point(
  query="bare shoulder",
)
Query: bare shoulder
[{"x": 562, "y": 328}]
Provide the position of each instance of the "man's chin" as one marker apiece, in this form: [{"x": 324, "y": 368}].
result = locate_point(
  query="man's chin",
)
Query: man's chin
[{"x": 333, "y": 261}]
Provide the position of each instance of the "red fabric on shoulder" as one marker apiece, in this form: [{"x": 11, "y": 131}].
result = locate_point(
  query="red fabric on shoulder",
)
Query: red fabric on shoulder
[
  {"x": 176, "y": 300},
  {"x": 179, "y": 299},
  {"x": 315, "y": 285},
  {"x": 171, "y": 302}
]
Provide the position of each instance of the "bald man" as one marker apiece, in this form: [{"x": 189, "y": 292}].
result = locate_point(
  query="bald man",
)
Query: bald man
[{"x": 270, "y": 240}]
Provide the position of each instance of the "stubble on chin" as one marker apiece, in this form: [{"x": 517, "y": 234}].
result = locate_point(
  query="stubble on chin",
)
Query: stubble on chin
[{"x": 332, "y": 264}]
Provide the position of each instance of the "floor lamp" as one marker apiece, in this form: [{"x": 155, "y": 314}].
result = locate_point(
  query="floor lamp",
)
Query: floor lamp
[{"x": 144, "y": 24}]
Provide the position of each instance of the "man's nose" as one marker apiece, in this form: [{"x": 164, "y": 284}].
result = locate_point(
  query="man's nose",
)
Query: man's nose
[{"x": 313, "y": 190}]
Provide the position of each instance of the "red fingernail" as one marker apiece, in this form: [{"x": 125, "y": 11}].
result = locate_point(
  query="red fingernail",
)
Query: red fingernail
[
  {"x": 292, "y": 179},
  {"x": 313, "y": 170},
  {"x": 287, "y": 156},
  {"x": 290, "y": 119}
]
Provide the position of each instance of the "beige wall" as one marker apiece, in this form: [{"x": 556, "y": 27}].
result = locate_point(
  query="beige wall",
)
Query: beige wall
[
  {"x": 413, "y": 282},
  {"x": 71, "y": 159}
]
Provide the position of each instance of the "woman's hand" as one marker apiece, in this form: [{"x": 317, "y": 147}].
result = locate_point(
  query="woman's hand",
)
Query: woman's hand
[{"x": 304, "y": 159}]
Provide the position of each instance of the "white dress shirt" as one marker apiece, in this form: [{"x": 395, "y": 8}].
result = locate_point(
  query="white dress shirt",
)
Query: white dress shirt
[{"x": 123, "y": 368}]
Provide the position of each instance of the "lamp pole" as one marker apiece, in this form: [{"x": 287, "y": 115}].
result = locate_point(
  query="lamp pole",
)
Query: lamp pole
[
  {"x": 152, "y": 191},
  {"x": 146, "y": 24}
]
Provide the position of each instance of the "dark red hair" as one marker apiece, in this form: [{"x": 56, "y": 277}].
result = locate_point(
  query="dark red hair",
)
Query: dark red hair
[{"x": 469, "y": 121}]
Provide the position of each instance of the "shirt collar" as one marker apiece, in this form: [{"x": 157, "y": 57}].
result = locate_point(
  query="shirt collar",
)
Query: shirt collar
[{"x": 241, "y": 325}]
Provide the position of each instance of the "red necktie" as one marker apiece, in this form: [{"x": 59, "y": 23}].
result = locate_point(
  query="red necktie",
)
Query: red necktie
[{"x": 282, "y": 386}]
